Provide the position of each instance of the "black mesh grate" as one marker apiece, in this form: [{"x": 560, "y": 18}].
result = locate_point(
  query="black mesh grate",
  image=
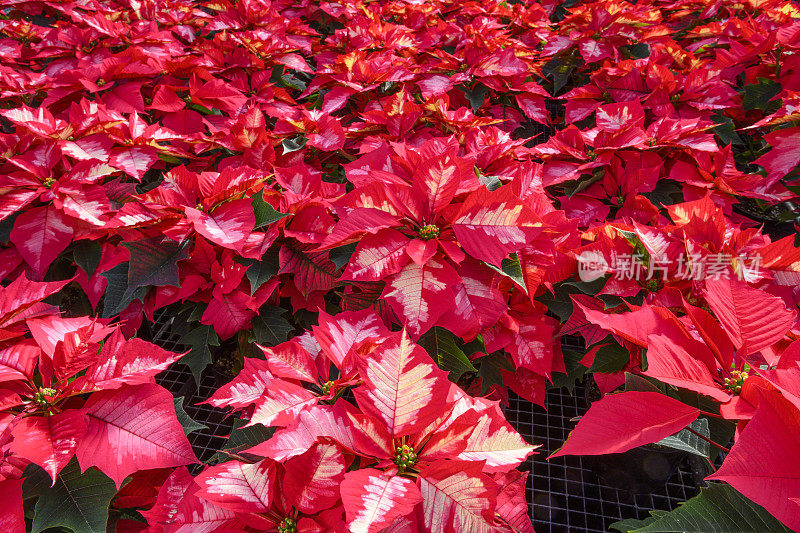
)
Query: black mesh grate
[
  {"x": 180, "y": 382},
  {"x": 588, "y": 494}
]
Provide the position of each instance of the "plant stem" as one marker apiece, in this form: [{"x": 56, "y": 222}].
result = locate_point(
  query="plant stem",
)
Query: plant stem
[
  {"x": 723, "y": 448},
  {"x": 713, "y": 415}
]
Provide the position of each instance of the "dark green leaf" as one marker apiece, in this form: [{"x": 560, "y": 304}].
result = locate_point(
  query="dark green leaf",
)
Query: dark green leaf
[
  {"x": 476, "y": 95},
  {"x": 259, "y": 272},
  {"x": 638, "y": 50},
  {"x": 87, "y": 255},
  {"x": 243, "y": 438},
  {"x": 293, "y": 145},
  {"x": 720, "y": 430},
  {"x": 587, "y": 287},
  {"x": 200, "y": 338},
  {"x": 204, "y": 110},
  {"x": 490, "y": 182},
  {"x": 610, "y": 300},
  {"x": 293, "y": 82},
  {"x": 610, "y": 358},
  {"x": 275, "y": 75},
  {"x": 489, "y": 369},
  {"x": 559, "y": 70},
  {"x": 76, "y": 501},
  {"x": 6, "y": 225},
  {"x": 265, "y": 213},
  {"x": 575, "y": 371},
  {"x": 188, "y": 423},
  {"x": 443, "y": 347},
  {"x": 154, "y": 262},
  {"x": 559, "y": 303},
  {"x": 197, "y": 312},
  {"x": 726, "y": 130},
  {"x": 758, "y": 95},
  {"x": 718, "y": 508},
  {"x": 667, "y": 192},
  {"x": 269, "y": 327},
  {"x": 246, "y": 437},
  {"x": 510, "y": 268},
  {"x": 118, "y": 295},
  {"x": 574, "y": 187},
  {"x": 475, "y": 345},
  {"x": 629, "y": 524},
  {"x": 687, "y": 441},
  {"x": 637, "y": 382},
  {"x": 171, "y": 159},
  {"x": 340, "y": 256}
]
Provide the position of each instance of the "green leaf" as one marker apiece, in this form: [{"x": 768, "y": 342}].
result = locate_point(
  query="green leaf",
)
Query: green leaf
[
  {"x": 575, "y": 371},
  {"x": 629, "y": 524},
  {"x": 510, "y": 268},
  {"x": 259, "y": 272},
  {"x": 203, "y": 110},
  {"x": 588, "y": 287},
  {"x": 6, "y": 225},
  {"x": 638, "y": 50},
  {"x": 200, "y": 338},
  {"x": 718, "y": 508},
  {"x": 489, "y": 369},
  {"x": 758, "y": 95},
  {"x": 573, "y": 188},
  {"x": 293, "y": 145},
  {"x": 726, "y": 130},
  {"x": 490, "y": 182},
  {"x": 476, "y": 95},
  {"x": 640, "y": 252},
  {"x": 667, "y": 192},
  {"x": 265, "y": 213},
  {"x": 442, "y": 346},
  {"x": 87, "y": 255},
  {"x": 559, "y": 70},
  {"x": 170, "y": 159},
  {"x": 76, "y": 501},
  {"x": 118, "y": 294},
  {"x": 340, "y": 255},
  {"x": 610, "y": 358},
  {"x": 687, "y": 441},
  {"x": 560, "y": 303},
  {"x": 246, "y": 437},
  {"x": 269, "y": 327},
  {"x": 242, "y": 438},
  {"x": 189, "y": 424},
  {"x": 293, "y": 82},
  {"x": 154, "y": 262},
  {"x": 610, "y": 301},
  {"x": 197, "y": 312},
  {"x": 637, "y": 382},
  {"x": 720, "y": 430}
]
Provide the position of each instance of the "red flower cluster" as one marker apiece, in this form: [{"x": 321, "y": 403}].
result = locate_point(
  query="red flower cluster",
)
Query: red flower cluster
[{"x": 436, "y": 192}]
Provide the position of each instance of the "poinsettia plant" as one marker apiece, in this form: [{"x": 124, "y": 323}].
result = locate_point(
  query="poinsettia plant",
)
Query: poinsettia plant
[
  {"x": 78, "y": 388},
  {"x": 414, "y": 451},
  {"x": 339, "y": 207}
]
